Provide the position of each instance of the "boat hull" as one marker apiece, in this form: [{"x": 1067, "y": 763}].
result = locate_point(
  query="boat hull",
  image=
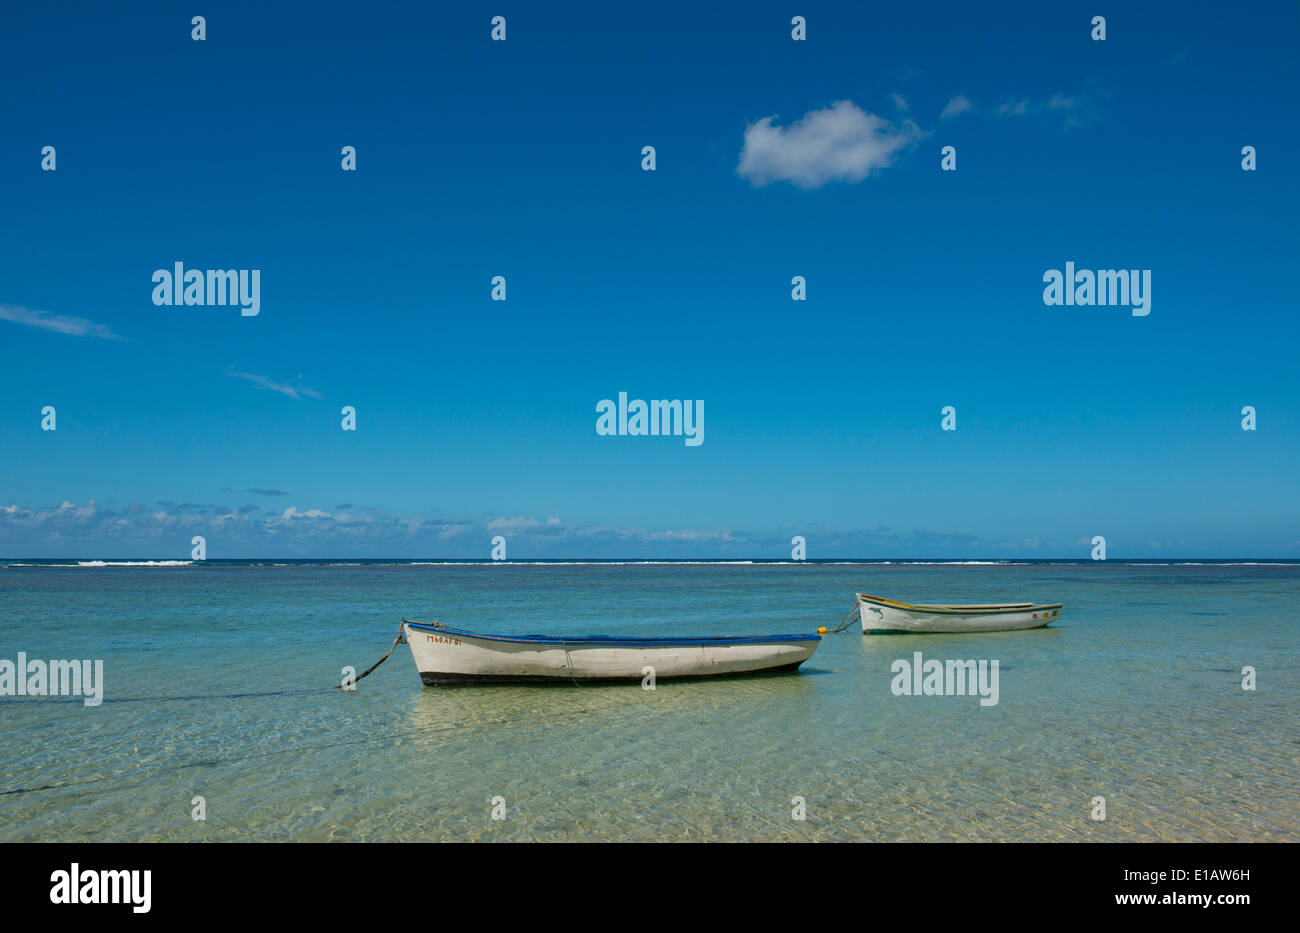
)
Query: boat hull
[
  {"x": 882, "y": 616},
  {"x": 447, "y": 657}
]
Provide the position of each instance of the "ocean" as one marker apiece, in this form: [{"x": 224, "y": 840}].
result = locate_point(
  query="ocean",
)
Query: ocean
[{"x": 220, "y": 698}]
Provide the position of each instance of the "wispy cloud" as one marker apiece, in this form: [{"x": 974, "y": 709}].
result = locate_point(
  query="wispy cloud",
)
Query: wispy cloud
[
  {"x": 284, "y": 388},
  {"x": 1061, "y": 102},
  {"x": 267, "y": 492},
  {"x": 1073, "y": 110},
  {"x": 958, "y": 105},
  {"x": 838, "y": 143},
  {"x": 59, "y": 323}
]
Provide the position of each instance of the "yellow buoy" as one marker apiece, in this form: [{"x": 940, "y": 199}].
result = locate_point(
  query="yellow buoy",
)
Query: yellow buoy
[{"x": 821, "y": 630}]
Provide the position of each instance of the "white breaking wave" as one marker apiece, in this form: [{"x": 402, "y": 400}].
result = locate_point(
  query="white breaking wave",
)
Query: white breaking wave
[
  {"x": 656, "y": 563},
  {"x": 566, "y": 563},
  {"x": 125, "y": 563}
]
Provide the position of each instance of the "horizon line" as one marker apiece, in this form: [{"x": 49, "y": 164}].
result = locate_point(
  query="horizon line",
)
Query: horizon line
[{"x": 662, "y": 560}]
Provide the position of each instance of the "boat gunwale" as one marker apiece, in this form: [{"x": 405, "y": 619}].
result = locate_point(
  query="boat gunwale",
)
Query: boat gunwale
[
  {"x": 618, "y": 641},
  {"x": 972, "y": 609}
]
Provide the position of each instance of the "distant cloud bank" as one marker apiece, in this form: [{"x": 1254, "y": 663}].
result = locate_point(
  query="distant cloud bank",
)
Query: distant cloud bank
[{"x": 164, "y": 530}]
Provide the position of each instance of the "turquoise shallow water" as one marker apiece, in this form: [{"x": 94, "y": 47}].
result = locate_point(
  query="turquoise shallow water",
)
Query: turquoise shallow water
[{"x": 219, "y": 682}]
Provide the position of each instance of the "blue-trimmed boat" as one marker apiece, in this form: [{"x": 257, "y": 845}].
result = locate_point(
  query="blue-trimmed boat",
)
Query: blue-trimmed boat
[{"x": 444, "y": 655}]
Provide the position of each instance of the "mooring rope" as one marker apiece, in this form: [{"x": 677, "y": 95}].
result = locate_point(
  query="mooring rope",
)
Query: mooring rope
[
  {"x": 401, "y": 637},
  {"x": 569, "y": 664},
  {"x": 848, "y": 619}
]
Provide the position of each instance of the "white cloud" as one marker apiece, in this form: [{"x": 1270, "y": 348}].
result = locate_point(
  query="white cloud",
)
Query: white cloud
[
  {"x": 59, "y": 323},
  {"x": 839, "y": 143},
  {"x": 292, "y": 512},
  {"x": 899, "y": 101},
  {"x": 958, "y": 105}
]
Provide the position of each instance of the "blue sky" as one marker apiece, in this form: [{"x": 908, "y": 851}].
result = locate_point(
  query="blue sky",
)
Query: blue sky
[{"x": 523, "y": 159}]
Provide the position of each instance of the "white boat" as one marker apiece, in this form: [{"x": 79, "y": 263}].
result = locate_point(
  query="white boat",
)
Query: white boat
[
  {"x": 887, "y": 615},
  {"x": 445, "y": 655}
]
